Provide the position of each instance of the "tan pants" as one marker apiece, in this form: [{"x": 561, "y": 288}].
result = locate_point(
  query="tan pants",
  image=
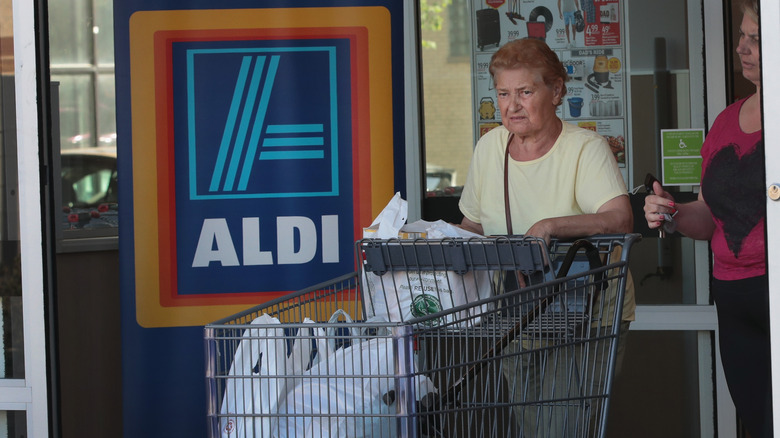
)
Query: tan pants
[{"x": 559, "y": 390}]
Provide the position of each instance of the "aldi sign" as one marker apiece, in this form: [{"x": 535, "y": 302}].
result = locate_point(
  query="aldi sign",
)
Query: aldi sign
[
  {"x": 258, "y": 152},
  {"x": 255, "y": 141}
]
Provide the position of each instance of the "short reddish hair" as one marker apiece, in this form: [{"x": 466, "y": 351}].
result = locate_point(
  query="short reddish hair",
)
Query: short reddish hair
[{"x": 530, "y": 53}]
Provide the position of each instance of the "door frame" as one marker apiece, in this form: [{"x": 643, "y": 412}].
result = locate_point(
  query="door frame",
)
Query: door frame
[
  {"x": 29, "y": 394},
  {"x": 770, "y": 14}
]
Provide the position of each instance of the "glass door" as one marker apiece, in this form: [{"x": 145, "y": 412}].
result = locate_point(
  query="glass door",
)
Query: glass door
[
  {"x": 671, "y": 340},
  {"x": 676, "y": 328}
]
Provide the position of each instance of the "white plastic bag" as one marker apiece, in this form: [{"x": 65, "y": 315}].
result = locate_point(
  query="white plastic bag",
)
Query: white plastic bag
[
  {"x": 317, "y": 390},
  {"x": 248, "y": 389},
  {"x": 392, "y": 218},
  {"x": 346, "y": 395},
  {"x": 258, "y": 376}
]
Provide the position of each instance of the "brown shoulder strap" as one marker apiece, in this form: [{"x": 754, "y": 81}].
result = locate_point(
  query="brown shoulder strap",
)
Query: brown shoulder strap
[{"x": 506, "y": 187}]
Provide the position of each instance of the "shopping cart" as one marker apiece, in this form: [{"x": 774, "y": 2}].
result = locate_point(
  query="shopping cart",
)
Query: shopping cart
[{"x": 498, "y": 336}]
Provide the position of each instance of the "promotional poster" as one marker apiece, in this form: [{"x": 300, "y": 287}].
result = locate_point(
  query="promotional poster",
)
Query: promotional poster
[{"x": 586, "y": 36}]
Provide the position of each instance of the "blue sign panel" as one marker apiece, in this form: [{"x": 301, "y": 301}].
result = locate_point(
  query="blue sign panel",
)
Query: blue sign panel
[
  {"x": 268, "y": 130},
  {"x": 265, "y": 131}
]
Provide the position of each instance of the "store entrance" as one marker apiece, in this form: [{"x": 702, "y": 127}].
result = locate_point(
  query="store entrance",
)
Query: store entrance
[{"x": 653, "y": 81}]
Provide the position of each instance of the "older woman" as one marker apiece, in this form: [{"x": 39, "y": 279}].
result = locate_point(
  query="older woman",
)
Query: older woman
[
  {"x": 539, "y": 176},
  {"x": 562, "y": 180},
  {"x": 731, "y": 213}
]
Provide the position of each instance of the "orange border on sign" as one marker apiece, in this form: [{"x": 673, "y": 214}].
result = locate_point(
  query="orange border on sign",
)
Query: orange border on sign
[
  {"x": 165, "y": 156},
  {"x": 151, "y": 33}
]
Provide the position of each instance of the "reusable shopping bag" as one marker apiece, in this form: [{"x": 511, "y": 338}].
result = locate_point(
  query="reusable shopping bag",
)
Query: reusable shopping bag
[
  {"x": 402, "y": 295},
  {"x": 399, "y": 296}
]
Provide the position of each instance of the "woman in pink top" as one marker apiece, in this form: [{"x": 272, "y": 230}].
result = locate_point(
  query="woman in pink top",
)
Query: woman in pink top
[{"x": 731, "y": 212}]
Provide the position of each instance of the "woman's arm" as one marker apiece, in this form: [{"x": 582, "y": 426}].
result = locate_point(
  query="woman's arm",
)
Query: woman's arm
[
  {"x": 614, "y": 216},
  {"x": 694, "y": 219}
]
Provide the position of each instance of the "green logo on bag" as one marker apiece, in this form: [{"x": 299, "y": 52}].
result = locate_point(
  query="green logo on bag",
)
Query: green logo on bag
[{"x": 423, "y": 305}]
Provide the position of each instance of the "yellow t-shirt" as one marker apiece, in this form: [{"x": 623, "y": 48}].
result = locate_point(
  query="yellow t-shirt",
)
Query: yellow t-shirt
[{"x": 576, "y": 176}]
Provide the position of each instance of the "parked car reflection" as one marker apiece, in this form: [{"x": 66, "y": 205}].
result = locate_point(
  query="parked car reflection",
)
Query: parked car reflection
[
  {"x": 89, "y": 188},
  {"x": 440, "y": 181}
]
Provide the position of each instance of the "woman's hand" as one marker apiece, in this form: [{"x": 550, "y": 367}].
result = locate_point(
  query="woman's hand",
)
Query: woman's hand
[
  {"x": 658, "y": 205},
  {"x": 542, "y": 229}
]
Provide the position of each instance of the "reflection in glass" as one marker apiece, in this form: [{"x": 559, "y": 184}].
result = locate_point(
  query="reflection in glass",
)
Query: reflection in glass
[
  {"x": 71, "y": 32},
  {"x": 89, "y": 188},
  {"x": 76, "y": 110},
  {"x": 103, "y": 31},
  {"x": 446, "y": 82},
  {"x": 13, "y": 424},
  {"x": 11, "y": 333},
  {"x": 106, "y": 110},
  {"x": 82, "y": 64}
]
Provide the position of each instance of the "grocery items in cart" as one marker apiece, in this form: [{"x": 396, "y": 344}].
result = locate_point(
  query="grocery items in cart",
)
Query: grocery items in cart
[
  {"x": 398, "y": 295},
  {"x": 440, "y": 374},
  {"x": 288, "y": 380}
]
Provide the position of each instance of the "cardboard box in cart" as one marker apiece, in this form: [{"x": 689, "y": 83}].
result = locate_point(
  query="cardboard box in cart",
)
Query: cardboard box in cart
[{"x": 372, "y": 232}]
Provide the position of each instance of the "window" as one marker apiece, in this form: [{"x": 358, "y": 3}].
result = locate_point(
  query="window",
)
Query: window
[
  {"x": 81, "y": 43},
  {"x": 446, "y": 70},
  {"x": 459, "y": 31}
]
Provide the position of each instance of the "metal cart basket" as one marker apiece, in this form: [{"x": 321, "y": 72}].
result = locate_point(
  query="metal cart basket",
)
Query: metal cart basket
[{"x": 487, "y": 337}]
